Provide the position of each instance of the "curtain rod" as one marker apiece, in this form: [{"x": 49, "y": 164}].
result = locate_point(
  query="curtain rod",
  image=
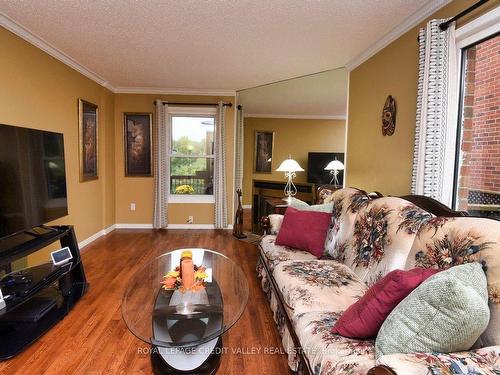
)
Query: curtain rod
[
  {"x": 198, "y": 104},
  {"x": 444, "y": 26}
]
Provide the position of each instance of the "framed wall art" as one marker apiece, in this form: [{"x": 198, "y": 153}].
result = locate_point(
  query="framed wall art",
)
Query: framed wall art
[
  {"x": 88, "y": 122},
  {"x": 264, "y": 143},
  {"x": 137, "y": 129}
]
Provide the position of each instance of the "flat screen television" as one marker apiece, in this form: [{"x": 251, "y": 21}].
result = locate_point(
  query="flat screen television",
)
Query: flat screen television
[
  {"x": 32, "y": 178},
  {"x": 316, "y": 163}
]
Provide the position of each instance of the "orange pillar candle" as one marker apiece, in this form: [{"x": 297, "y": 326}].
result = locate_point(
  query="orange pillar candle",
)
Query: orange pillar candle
[{"x": 187, "y": 271}]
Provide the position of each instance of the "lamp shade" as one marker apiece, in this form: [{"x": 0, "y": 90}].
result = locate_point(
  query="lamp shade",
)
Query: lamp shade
[
  {"x": 334, "y": 165},
  {"x": 289, "y": 165}
]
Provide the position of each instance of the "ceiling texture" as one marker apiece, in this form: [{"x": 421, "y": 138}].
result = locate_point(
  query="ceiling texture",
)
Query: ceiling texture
[{"x": 209, "y": 45}]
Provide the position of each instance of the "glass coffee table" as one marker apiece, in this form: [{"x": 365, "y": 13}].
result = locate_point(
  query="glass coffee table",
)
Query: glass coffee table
[{"x": 184, "y": 328}]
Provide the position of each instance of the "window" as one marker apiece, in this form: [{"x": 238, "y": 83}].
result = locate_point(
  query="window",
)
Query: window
[
  {"x": 477, "y": 170},
  {"x": 192, "y": 156}
]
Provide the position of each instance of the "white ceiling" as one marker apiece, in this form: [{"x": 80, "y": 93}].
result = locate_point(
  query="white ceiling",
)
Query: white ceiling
[
  {"x": 321, "y": 95},
  {"x": 197, "y": 44}
]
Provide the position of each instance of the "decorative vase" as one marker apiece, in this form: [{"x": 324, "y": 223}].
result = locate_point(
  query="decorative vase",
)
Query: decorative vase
[{"x": 187, "y": 270}]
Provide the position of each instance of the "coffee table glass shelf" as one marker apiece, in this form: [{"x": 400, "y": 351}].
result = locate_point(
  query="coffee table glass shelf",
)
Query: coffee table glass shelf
[{"x": 185, "y": 327}]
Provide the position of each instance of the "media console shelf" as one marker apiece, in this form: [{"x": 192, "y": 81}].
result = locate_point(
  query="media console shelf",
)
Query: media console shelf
[{"x": 40, "y": 296}]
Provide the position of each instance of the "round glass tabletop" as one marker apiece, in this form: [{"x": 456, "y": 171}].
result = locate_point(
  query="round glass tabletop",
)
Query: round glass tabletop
[{"x": 160, "y": 311}]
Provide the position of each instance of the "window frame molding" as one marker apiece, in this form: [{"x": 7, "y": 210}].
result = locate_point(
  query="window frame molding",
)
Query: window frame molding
[
  {"x": 192, "y": 111},
  {"x": 481, "y": 28}
]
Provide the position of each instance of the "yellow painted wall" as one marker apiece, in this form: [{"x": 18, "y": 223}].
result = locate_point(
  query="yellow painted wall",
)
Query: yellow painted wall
[
  {"x": 139, "y": 190},
  {"x": 292, "y": 136},
  {"x": 37, "y": 91},
  {"x": 375, "y": 162}
]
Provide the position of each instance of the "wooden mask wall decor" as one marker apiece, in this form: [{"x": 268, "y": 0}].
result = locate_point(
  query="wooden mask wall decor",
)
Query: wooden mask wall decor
[{"x": 389, "y": 116}]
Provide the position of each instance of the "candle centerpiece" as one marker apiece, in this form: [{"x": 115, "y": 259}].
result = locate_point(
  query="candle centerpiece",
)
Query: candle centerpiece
[{"x": 186, "y": 276}]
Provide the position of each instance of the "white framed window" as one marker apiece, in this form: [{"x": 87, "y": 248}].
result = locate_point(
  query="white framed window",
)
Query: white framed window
[
  {"x": 476, "y": 142},
  {"x": 192, "y": 137}
]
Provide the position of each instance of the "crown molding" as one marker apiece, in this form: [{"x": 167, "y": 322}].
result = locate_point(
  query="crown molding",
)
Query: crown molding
[
  {"x": 173, "y": 91},
  {"x": 410, "y": 22},
  {"x": 36, "y": 40},
  {"x": 297, "y": 117}
]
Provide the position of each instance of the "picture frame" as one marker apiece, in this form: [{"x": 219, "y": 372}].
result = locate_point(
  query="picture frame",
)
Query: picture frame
[
  {"x": 88, "y": 143},
  {"x": 263, "y": 154},
  {"x": 138, "y": 143}
]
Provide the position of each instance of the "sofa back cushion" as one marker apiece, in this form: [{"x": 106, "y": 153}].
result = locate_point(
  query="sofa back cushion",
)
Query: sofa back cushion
[
  {"x": 383, "y": 234},
  {"x": 445, "y": 242},
  {"x": 346, "y": 204}
]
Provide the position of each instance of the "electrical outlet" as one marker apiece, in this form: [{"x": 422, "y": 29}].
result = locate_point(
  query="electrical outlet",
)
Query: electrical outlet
[
  {"x": 132, "y": 206},
  {"x": 190, "y": 220}
]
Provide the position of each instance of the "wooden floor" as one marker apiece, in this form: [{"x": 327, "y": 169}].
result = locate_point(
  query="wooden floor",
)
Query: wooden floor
[{"x": 93, "y": 338}]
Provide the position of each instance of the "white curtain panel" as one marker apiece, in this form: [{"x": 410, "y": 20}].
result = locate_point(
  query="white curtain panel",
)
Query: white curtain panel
[
  {"x": 161, "y": 166},
  {"x": 220, "y": 170},
  {"x": 238, "y": 169},
  {"x": 435, "y": 120}
]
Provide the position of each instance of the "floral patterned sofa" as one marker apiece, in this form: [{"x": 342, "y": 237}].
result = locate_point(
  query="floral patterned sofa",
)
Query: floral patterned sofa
[{"x": 370, "y": 236}]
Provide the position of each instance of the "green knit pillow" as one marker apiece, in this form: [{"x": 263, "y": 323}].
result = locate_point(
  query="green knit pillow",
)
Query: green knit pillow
[
  {"x": 446, "y": 313},
  {"x": 303, "y": 206}
]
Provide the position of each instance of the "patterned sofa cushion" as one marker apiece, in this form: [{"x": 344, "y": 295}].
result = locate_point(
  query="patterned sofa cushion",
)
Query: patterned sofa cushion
[
  {"x": 317, "y": 285},
  {"x": 485, "y": 361},
  {"x": 329, "y": 353},
  {"x": 274, "y": 254},
  {"x": 446, "y": 242},
  {"x": 346, "y": 204},
  {"x": 383, "y": 234}
]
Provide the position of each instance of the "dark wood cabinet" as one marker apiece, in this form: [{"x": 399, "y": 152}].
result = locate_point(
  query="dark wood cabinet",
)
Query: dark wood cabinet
[
  {"x": 275, "y": 206},
  {"x": 267, "y": 199}
]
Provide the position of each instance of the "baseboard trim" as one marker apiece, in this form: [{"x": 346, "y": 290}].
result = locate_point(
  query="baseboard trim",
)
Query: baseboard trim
[
  {"x": 134, "y": 226},
  {"x": 95, "y": 236},
  {"x": 169, "y": 226},
  {"x": 190, "y": 226},
  {"x": 111, "y": 228}
]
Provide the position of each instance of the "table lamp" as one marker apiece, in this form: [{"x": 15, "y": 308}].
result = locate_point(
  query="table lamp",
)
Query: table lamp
[
  {"x": 334, "y": 167},
  {"x": 290, "y": 166}
]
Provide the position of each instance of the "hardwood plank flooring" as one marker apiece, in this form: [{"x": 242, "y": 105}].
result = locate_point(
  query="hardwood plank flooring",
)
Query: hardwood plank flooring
[{"x": 93, "y": 338}]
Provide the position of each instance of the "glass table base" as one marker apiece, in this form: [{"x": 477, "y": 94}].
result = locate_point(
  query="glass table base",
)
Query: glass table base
[{"x": 203, "y": 359}]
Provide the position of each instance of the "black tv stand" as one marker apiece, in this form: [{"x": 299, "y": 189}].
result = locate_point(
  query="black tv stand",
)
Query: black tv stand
[
  {"x": 40, "y": 230},
  {"x": 40, "y": 296}
]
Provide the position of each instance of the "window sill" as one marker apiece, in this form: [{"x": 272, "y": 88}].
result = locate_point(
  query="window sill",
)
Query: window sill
[{"x": 185, "y": 198}]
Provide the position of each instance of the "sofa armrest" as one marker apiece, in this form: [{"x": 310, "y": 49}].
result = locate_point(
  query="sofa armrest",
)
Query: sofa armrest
[{"x": 381, "y": 370}]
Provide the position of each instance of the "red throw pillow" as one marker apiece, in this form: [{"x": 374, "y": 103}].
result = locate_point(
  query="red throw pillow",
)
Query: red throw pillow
[
  {"x": 304, "y": 230},
  {"x": 364, "y": 318}
]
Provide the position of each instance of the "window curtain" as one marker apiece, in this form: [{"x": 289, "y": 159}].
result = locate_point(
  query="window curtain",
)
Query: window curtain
[
  {"x": 161, "y": 166},
  {"x": 238, "y": 171},
  {"x": 435, "y": 120},
  {"x": 220, "y": 170}
]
